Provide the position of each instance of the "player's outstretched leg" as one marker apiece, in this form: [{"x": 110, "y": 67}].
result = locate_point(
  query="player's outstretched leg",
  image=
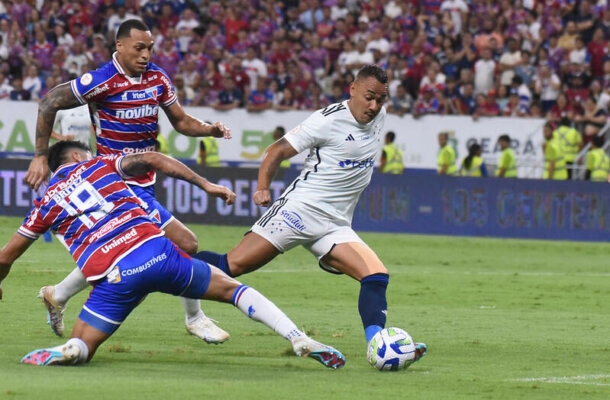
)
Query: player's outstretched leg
[
  {"x": 55, "y": 311},
  {"x": 198, "y": 324},
  {"x": 73, "y": 352},
  {"x": 56, "y": 297},
  {"x": 259, "y": 308}
]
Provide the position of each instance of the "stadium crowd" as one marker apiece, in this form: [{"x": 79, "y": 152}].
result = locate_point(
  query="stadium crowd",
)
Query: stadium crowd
[{"x": 524, "y": 58}]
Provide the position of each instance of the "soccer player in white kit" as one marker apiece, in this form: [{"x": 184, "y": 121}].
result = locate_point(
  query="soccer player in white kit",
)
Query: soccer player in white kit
[{"x": 316, "y": 209}]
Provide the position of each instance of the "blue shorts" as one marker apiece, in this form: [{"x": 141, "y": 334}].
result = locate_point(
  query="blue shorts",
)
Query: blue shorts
[
  {"x": 156, "y": 210},
  {"x": 156, "y": 266}
]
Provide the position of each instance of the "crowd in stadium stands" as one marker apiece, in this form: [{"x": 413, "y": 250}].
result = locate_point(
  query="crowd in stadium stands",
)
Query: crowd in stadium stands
[{"x": 523, "y": 58}]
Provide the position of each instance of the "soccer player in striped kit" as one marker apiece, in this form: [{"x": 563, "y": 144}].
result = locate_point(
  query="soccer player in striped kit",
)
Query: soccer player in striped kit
[
  {"x": 124, "y": 98},
  {"x": 126, "y": 256}
]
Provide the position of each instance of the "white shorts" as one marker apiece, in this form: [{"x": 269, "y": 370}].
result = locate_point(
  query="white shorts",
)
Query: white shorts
[{"x": 288, "y": 224}]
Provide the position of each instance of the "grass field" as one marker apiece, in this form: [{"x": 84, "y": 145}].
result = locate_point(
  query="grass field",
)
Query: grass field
[{"x": 503, "y": 319}]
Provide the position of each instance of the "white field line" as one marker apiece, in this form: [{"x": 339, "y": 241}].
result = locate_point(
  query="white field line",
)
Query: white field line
[{"x": 572, "y": 380}]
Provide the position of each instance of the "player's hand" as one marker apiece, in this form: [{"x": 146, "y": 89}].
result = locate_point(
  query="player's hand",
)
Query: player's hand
[
  {"x": 262, "y": 197},
  {"x": 219, "y": 130},
  {"x": 222, "y": 192},
  {"x": 38, "y": 172}
]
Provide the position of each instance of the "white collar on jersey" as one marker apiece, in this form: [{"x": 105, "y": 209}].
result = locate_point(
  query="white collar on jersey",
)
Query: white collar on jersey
[{"x": 119, "y": 67}]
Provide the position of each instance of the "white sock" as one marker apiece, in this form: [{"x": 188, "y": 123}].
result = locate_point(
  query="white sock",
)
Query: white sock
[
  {"x": 84, "y": 350},
  {"x": 259, "y": 308},
  {"x": 72, "y": 284},
  {"x": 192, "y": 308}
]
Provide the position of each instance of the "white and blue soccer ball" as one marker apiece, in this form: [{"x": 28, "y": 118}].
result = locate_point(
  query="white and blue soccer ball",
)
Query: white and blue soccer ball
[{"x": 391, "y": 349}]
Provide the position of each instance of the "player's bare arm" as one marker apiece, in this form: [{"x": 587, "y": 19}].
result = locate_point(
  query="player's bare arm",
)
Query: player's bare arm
[
  {"x": 140, "y": 164},
  {"x": 191, "y": 126},
  {"x": 15, "y": 247},
  {"x": 274, "y": 155},
  {"x": 58, "y": 98}
]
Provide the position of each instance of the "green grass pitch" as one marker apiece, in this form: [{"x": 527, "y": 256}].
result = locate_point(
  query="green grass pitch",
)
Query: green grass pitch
[{"x": 503, "y": 319}]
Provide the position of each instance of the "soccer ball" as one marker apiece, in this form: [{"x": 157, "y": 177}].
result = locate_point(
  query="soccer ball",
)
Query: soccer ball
[{"x": 391, "y": 349}]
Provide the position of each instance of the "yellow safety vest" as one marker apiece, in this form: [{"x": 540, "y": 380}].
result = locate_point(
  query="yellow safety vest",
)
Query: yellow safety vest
[
  {"x": 553, "y": 152},
  {"x": 569, "y": 141},
  {"x": 508, "y": 161},
  {"x": 393, "y": 159},
  {"x": 475, "y": 168},
  {"x": 212, "y": 159},
  {"x": 598, "y": 163},
  {"x": 446, "y": 156}
]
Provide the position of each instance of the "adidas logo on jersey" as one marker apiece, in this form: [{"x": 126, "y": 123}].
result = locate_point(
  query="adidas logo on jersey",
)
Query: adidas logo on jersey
[{"x": 350, "y": 138}]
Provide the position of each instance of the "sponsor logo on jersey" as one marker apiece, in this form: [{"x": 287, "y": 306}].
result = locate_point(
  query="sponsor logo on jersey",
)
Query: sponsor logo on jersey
[
  {"x": 121, "y": 240},
  {"x": 370, "y": 163},
  {"x": 109, "y": 226},
  {"x": 131, "y": 150},
  {"x": 96, "y": 91},
  {"x": 114, "y": 276},
  {"x": 66, "y": 186},
  {"x": 139, "y": 112},
  {"x": 293, "y": 220},
  {"x": 86, "y": 79},
  {"x": 120, "y": 84},
  {"x": 145, "y": 266},
  {"x": 350, "y": 138}
]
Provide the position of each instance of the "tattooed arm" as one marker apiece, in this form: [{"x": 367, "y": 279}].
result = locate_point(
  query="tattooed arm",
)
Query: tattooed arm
[
  {"x": 58, "y": 98},
  {"x": 140, "y": 164}
]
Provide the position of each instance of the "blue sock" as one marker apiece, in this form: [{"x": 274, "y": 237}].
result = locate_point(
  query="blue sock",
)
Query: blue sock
[
  {"x": 372, "y": 303},
  {"x": 216, "y": 259}
]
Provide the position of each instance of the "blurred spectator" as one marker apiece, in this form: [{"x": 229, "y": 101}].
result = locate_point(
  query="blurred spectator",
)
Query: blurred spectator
[
  {"x": 61, "y": 37},
  {"x": 579, "y": 57},
  {"x": 601, "y": 96},
  {"x": 32, "y": 82},
  {"x": 359, "y": 58},
  {"x": 261, "y": 98},
  {"x": 502, "y": 98},
  {"x": 212, "y": 75},
  {"x": 509, "y": 61},
  {"x": 119, "y": 16},
  {"x": 515, "y": 108},
  {"x": 168, "y": 58},
  {"x": 186, "y": 94},
  {"x": 585, "y": 20},
  {"x": 41, "y": 51},
  {"x": 5, "y": 87},
  {"x": 562, "y": 108},
  {"x": 486, "y": 105},
  {"x": 591, "y": 120},
  {"x": 185, "y": 28},
  {"x": 286, "y": 102},
  {"x": 484, "y": 72},
  {"x": 547, "y": 86},
  {"x": 473, "y": 164},
  {"x": 507, "y": 165},
  {"x": 77, "y": 62},
  {"x": 317, "y": 57},
  {"x": 467, "y": 101},
  {"x": 525, "y": 95},
  {"x": 167, "y": 20},
  {"x": 597, "y": 51},
  {"x": 525, "y": 69},
  {"x": 254, "y": 67},
  {"x": 597, "y": 162},
  {"x": 567, "y": 40},
  {"x": 19, "y": 93},
  {"x": 234, "y": 23},
  {"x": 337, "y": 94},
  {"x": 401, "y": 103},
  {"x": 229, "y": 97},
  {"x": 427, "y": 103}
]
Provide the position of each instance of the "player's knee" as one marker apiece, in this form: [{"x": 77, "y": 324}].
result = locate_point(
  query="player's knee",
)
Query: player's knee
[{"x": 189, "y": 244}]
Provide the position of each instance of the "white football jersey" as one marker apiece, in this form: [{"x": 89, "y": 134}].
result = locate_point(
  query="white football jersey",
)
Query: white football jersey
[{"x": 342, "y": 155}]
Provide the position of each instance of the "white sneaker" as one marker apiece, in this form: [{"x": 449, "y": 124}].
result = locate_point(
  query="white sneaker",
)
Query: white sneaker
[
  {"x": 66, "y": 354},
  {"x": 205, "y": 329},
  {"x": 54, "y": 309},
  {"x": 305, "y": 346}
]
